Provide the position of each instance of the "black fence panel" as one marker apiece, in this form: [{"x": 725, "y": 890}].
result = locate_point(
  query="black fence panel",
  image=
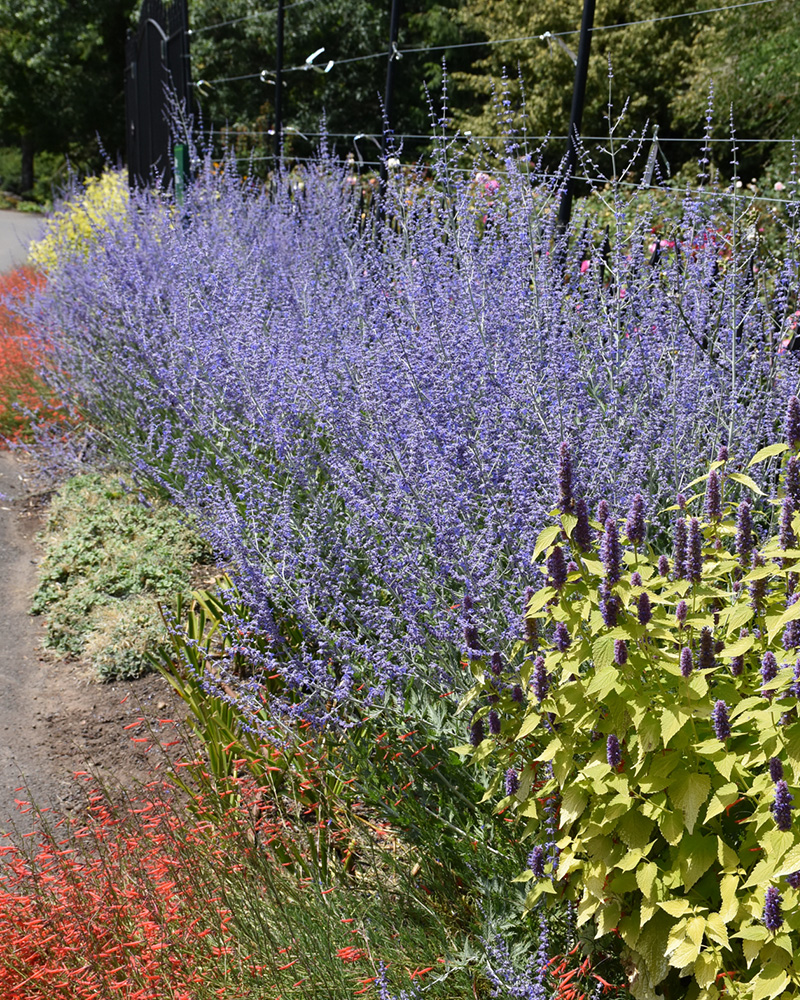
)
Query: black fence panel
[{"x": 157, "y": 71}]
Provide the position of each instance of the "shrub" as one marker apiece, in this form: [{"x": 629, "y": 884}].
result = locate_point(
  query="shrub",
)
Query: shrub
[
  {"x": 359, "y": 409},
  {"x": 74, "y": 228},
  {"x": 650, "y": 724}
]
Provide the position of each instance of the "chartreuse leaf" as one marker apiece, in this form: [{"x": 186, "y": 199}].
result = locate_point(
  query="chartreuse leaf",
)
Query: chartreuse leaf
[
  {"x": 764, "y": 453},
  {"x": 716, "y": 930},
  {"x": 688, "y": 792},
  {"x": 706, "y": 967},
  {"x": 745, "y": 480},
  {"x": 568, "y": 522},
  {"x": 646, "y": 878},
  {"x": 529, "y": 725},
  {"x": 768, "y": 984},
  {"x": 573, "y": 802},
  {"x": 696, "y": 855},
  {"x": 546, "y": 537},
  {"x": 728, "y": 889},
  {"x": 607, "y": 918},
  {"x": 671, "y": 825}
]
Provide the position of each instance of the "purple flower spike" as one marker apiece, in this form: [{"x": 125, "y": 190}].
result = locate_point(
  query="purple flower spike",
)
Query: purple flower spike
[
  {"x": 609, "y": 605},
  {"x": 782, "y": 806},
  {"x": 561, "y": 638},
  {"x": 773, "y": 916},
  {"x": 613, "y": 751},
  {"x": 611, "y": 551},
  {"x": 744, "y": 532},
  {"x": 565, "y": 477},
  {"x": 540, "y": 681},
  {"x": 582, "y": 532},
  {"x": 636, "y": 578},
  {"x": 643, "y": 606},
  {"x": 635, "y": 527},
  {"x": 737, "y": 666},
  {"x": 494, "y": 723},
  {"x": 663, "y": 566},
  {"x": 786, "y": 536},
  {"x": 557, "y": 567},
  {"x": 791, "y": 634},
  {"x": 722, "y": 454},
  {"x": 720, "y": 721},
  {"x": 512, "y": 781},
  {"x": 497, "y": 663},
  {"x": 681, "y": 501},
  {"x": 793, "y": 422},
  {"x": 713, "y": 501},
  {"x": 620, "y": 652},
  {"x": 705, "y": 656},
  {"x": 791, "y": 480},
  {"x": 536, "y": 861},
  {"x": 679, "y": 552},
  {"x": 686, "y": 661},
  {"x": 758, "y": 588},
  {"x": 775, "y": 769},
  {"x": 602, "y": 512},
  {"x": 477, "y": 732},
  {"x": 793, "y": 880},
  {"x": 517, "y": 694},
  {"x": 681, "y": 612},
  {"x": 694, "y": 556},
  {"x": 769, "y": 669}
]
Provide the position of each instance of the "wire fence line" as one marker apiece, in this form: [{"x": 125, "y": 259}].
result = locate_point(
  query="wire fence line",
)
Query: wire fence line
[{"x": 400, "y": 52}]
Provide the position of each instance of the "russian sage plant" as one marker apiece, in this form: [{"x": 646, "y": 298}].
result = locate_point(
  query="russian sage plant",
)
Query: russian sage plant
[{"x": 360, "y": 409}]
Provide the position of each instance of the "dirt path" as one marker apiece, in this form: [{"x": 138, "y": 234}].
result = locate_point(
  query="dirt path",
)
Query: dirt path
[{"x": 53, "y": 720}]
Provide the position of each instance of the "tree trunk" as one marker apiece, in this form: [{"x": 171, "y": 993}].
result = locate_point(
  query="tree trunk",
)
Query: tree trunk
[{"x": 27, "y": 148}]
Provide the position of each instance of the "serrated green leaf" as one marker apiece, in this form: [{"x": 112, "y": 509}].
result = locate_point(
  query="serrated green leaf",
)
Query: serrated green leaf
[
  {"x": 684, "y": 953},
  {"x": 634, "y": 830},
  {"x": 745, "y": 480},
  {"x": 722, "y": 798},
  {"x": 539, "y": 599},
  {"x": 671, "y": 723},
  {"x": 706, "y": 968},
  {"x": 671, "y": 825},
  {"x": 607, "y": 918},
  {"x": 603, "y": 682},
  {"x": 767, "y": 985},
  {"x": 573, "y": 803},
  {"x": 697, "y": 854},
  {"x": 729, "y": 906},
  {"x": 792, "y": 613},
  {"x": 740, "y": 647},
  {"x": 603, "y": 657},
  {"x": 688, "y": 792},
  {"x": 754, "y": 932},
  {"x": 470, "y": 696},
  {"x": 675, "y": 907},
  {"x": 764, "y": 453},
  {"x": 646, "y": 878},
  {"x": 716, "y": 930},
  {"x": 727, "y": 857},
  {"x": 529, "y": 725},
  {"x": 546, "y": 537},
  {"x": 652, "y": 946},
  {"x": 568, "y": 522}
]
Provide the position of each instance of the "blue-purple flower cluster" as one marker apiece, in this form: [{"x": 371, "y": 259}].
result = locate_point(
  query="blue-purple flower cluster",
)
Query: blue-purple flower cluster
[{"x": 363, "y": 418}]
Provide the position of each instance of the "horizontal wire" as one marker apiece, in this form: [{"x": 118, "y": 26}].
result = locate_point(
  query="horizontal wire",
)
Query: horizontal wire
[{"x": 399, "y": 53}]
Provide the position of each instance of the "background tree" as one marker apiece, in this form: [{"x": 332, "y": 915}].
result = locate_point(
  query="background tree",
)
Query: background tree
[{"x": 61, "y": 82}]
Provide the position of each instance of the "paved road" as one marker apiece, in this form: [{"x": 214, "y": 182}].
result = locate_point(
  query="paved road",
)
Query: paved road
[{"x": 17, "y": 229}]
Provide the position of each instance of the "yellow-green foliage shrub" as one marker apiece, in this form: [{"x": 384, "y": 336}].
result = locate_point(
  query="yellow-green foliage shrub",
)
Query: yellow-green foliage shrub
[
  {"x": 649, "y": 739},
  {"x": 74, "y": 228}
]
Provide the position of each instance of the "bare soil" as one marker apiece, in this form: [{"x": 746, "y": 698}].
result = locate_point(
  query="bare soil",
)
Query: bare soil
[{"x": 54, "y": 719}]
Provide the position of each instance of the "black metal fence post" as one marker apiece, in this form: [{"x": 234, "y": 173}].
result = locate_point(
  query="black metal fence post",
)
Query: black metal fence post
[
  {"x": 279, "y": 84},
  {"x": 576, "y": 114}
]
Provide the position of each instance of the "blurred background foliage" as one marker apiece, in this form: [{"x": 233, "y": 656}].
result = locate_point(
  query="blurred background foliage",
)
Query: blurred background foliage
[{"x": 61, "y": 74}]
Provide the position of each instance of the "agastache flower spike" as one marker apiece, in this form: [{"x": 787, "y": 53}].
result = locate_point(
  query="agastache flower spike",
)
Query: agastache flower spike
[
  {"x": 494, "y": 723},
  {"x": 611, "y": 551},
  {"x": 681, "y": 501},
  {"x": 680, "y": 549},
  {"x": 540, "y": 681},
  {"x": 694, "y": 557},
  {"x": 635, "y": 526},
  {"x": 744, "y": 532},
  {"x": 713, "y": 501},
  {"x": 720, "y": 720},
  {"x": 620, "y": 652},
  {"x": 557, "y": 567},
  {"x": 705, "y": 656},
  {"x": 561, "y": 638},
  {"x": 609, "y": 605},
  {"x": 722, "y": 454},
  {"x": 686, "y": 661},
  {"x": 477, "y": 732},
  {"x": 536, "y": 861},
  {"x": 645, "y": 611},
  {"x": 793, "y": 422},
  {"x": 582, "y": 532},
  {"x": 681, "y": 611},
  {"x": 517, "y": 694},
  {"x": 663, "y": 566},
  {"x": 791, "y": 634},
  {"x": 602, "y": 512},
  {"x": 565, "y": 478},
  {"x": 793, "y": 880},
  {"x": 791, "y": 480},
  {"x": 773, "y": 916},
  {"x": 775, "y": 769},
  {"x": 613, "y": 751},
  {"x": 496, "y": 663},
  {"x": 782, "y": 806},
  {"x": 758, "y": 588},
  {"x": 511, "y": 781},
  {"x": 769, "y": 670}
]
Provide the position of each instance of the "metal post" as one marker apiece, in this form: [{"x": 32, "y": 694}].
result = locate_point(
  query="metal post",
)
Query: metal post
[
  {"x": 388, "y": 99},
  {"x": 279, "y": 84},
  {"x": 576, "y": 114}
]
